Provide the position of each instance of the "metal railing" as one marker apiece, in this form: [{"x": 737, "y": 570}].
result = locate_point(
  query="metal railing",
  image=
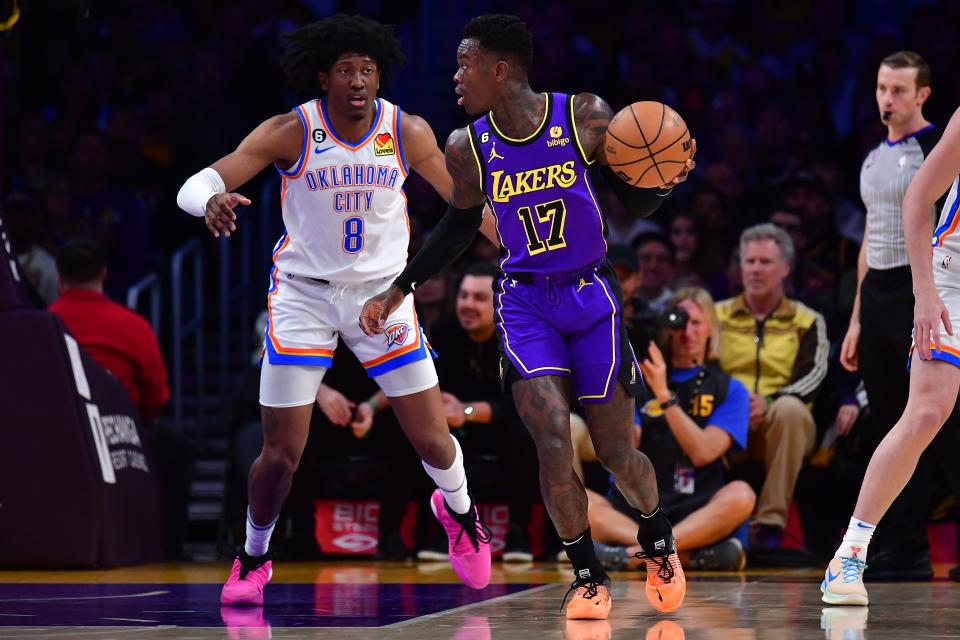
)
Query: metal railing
[
  {"x": 183, "y": 329},
  {"x": 151, "y": 284},
  {"x": 243, "y": 258}
]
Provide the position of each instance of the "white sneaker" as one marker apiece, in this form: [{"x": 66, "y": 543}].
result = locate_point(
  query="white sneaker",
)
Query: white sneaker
[{"x": 843, "y": 582}]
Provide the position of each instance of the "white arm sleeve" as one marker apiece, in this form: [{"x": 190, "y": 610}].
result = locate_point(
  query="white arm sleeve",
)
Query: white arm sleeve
[{"x": 198, "y": 189}]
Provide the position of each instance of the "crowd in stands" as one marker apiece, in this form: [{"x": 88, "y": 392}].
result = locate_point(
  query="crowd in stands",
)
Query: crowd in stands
[{"x": 107, "y": 112}]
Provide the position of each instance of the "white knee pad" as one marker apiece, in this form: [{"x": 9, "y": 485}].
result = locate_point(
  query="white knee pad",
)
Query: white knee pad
[
  {"x": 409, "y": 379},
  {"x": 289, "y": 385}
]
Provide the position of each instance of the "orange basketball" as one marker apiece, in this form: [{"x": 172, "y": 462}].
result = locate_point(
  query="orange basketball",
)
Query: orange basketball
[{"x": 648, "y": 144}]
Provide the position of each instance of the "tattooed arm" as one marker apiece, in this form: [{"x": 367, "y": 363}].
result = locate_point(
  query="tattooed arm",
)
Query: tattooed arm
[
  {"x": 591, "y": 117},
  {"x": 449, "y": 239}
]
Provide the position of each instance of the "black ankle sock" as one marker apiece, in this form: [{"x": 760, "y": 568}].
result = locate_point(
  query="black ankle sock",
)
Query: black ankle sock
[
  {"x": 584, "y": 559},
  {"x": 655, "y": 534}
]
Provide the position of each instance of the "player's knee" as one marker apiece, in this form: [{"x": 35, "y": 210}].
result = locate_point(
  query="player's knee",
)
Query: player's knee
[
  {"x": 923, "y": 420},
  {"x": 437, "y": 452},
  {"x": 553, "y": 445},
  {"x": 281, "y": 461},
  {"x": 615, "y": 459}
]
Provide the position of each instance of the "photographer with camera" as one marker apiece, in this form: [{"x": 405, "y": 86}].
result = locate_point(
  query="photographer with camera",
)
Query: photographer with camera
[{"x": 692, "y": 414}]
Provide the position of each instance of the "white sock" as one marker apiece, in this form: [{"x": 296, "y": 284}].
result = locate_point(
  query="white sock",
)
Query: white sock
[
  {"x": 452, "y": 482},
  {"x": 856, "y": 540},
  {"x": 258, "y": 538}
]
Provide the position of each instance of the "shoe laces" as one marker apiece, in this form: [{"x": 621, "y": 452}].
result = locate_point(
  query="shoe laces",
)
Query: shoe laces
[
  {"x": 248, "y": 563},
  {"x": 852, "y": 569},
  {"x": 592, "y": 586},
  {"x": 476, "y": 531},
  {"x": 664, "y": 568}
]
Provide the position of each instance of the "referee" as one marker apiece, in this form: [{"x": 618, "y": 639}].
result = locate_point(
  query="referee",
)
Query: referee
[{"x": 879, "y": 336}]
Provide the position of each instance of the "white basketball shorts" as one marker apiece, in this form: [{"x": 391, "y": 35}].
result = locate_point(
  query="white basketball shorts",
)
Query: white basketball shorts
[
  {"x": 306, "y": 317},
  {"x": 946, "y": 275}
]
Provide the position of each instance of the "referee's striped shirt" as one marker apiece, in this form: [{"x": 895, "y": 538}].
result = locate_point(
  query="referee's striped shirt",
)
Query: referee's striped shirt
[{"x": 884, "y": 178}]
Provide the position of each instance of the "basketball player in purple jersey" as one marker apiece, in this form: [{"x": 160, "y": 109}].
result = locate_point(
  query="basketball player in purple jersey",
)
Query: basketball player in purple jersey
[{"x": 558, "y": 302}]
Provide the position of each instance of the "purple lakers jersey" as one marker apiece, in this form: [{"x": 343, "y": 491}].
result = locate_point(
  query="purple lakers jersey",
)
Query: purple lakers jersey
[{"x": 539, "y": 189}]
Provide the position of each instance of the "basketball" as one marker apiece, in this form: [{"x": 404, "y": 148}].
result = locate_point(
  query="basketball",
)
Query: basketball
[{"x": 648, "y": 144}]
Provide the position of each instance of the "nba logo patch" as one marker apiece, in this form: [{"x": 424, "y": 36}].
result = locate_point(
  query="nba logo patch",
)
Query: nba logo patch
[
  {"x": 383, "y": 145},
  {"x": 945, "y": 263},
  {"x": 396, "y": 334},
  {"x": 902, "y": 162}
]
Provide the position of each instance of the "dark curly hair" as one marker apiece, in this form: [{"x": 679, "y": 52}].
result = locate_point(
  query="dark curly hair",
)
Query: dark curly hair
[
  {"x": 317, "y": 46},
  {"x": 504, "y": 34}
]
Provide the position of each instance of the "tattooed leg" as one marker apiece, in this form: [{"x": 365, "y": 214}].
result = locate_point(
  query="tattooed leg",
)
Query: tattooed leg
[
  {"x": 544, "y": 407},
  {"x": 611, "y": 429},
  {"x": 284, "y": 437}
]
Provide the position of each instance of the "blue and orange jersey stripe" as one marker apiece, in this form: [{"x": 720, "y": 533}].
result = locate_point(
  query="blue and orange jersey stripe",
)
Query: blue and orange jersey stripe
[
  {"x": 301, "y": 164},
  {"x": 402, "y": 160},
  {"x": 950, "y": 224}
]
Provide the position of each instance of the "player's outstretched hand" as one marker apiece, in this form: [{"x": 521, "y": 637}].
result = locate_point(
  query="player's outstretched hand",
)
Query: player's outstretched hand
[
  {"x": 376, "y": 310},
  {"x": 219, "y": 215},
  {"x": 928, "y": 312},
  {"x": 687, "y": 169}
]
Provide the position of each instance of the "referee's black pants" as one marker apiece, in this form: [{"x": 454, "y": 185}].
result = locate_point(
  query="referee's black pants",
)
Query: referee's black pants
[{"x": 886, "y": 323}]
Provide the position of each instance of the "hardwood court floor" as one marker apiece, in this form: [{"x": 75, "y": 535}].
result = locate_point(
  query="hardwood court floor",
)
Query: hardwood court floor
[{"x": 395, "y": 601}]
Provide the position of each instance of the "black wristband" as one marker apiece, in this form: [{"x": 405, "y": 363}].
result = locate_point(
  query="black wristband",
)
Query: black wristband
[
  {"x": 451, "y": 237},
  {"x": 638, "y": 201},
  {"x": 669, "y": 402}
]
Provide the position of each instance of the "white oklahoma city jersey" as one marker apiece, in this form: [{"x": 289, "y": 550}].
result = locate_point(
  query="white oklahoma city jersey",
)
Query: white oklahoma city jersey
[
  {"x": 346, "y": 239},
  {"x": 343, "y": 204}
]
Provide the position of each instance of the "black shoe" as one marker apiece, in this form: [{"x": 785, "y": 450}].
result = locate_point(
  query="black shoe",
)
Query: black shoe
[
  {"x": 955, "y": 574},
  {"x": 517, "y": 548},
  {"x": 726, "y": 555},
  {"x": 612, "y": 557},
  {"x": 391, "y": 549},
  {"x": 893, "y": 566},
  {"x": 436, "y": 551}
]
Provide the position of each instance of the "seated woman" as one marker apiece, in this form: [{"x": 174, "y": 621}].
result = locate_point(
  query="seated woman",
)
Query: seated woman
[{"x": 691, "y": 415}]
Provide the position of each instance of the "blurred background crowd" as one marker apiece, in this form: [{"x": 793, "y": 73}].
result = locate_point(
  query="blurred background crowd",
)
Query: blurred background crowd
[{"x": 108, "y": 107}]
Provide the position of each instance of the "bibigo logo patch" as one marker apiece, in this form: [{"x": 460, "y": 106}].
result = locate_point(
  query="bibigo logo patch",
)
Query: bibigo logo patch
[
  {"x": 397, "y": 334},
  {"x": 555, "y": 133}
]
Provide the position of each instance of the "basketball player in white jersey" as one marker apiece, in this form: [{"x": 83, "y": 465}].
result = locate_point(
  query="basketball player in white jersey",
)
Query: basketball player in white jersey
[
  {"x": 343, "y": 159},
  {"x": 935, "y": 361}
]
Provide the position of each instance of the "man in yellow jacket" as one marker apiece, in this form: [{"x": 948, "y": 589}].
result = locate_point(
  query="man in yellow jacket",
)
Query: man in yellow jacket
[{"x": 777, "y": 348}]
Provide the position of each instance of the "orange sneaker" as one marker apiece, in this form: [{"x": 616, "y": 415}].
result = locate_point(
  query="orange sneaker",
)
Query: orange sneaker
[
  {"x": 591, "y": 600},
  {"x": 666, "y": 584}
]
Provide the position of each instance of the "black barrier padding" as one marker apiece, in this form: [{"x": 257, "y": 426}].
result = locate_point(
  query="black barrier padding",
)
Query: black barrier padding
[{"x": 56, "y": 509}]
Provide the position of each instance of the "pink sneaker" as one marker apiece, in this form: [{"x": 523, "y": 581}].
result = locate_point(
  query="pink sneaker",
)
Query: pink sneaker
[
  {"x": 469, "y": 545},
  {"x": 247, "y": 579}
]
